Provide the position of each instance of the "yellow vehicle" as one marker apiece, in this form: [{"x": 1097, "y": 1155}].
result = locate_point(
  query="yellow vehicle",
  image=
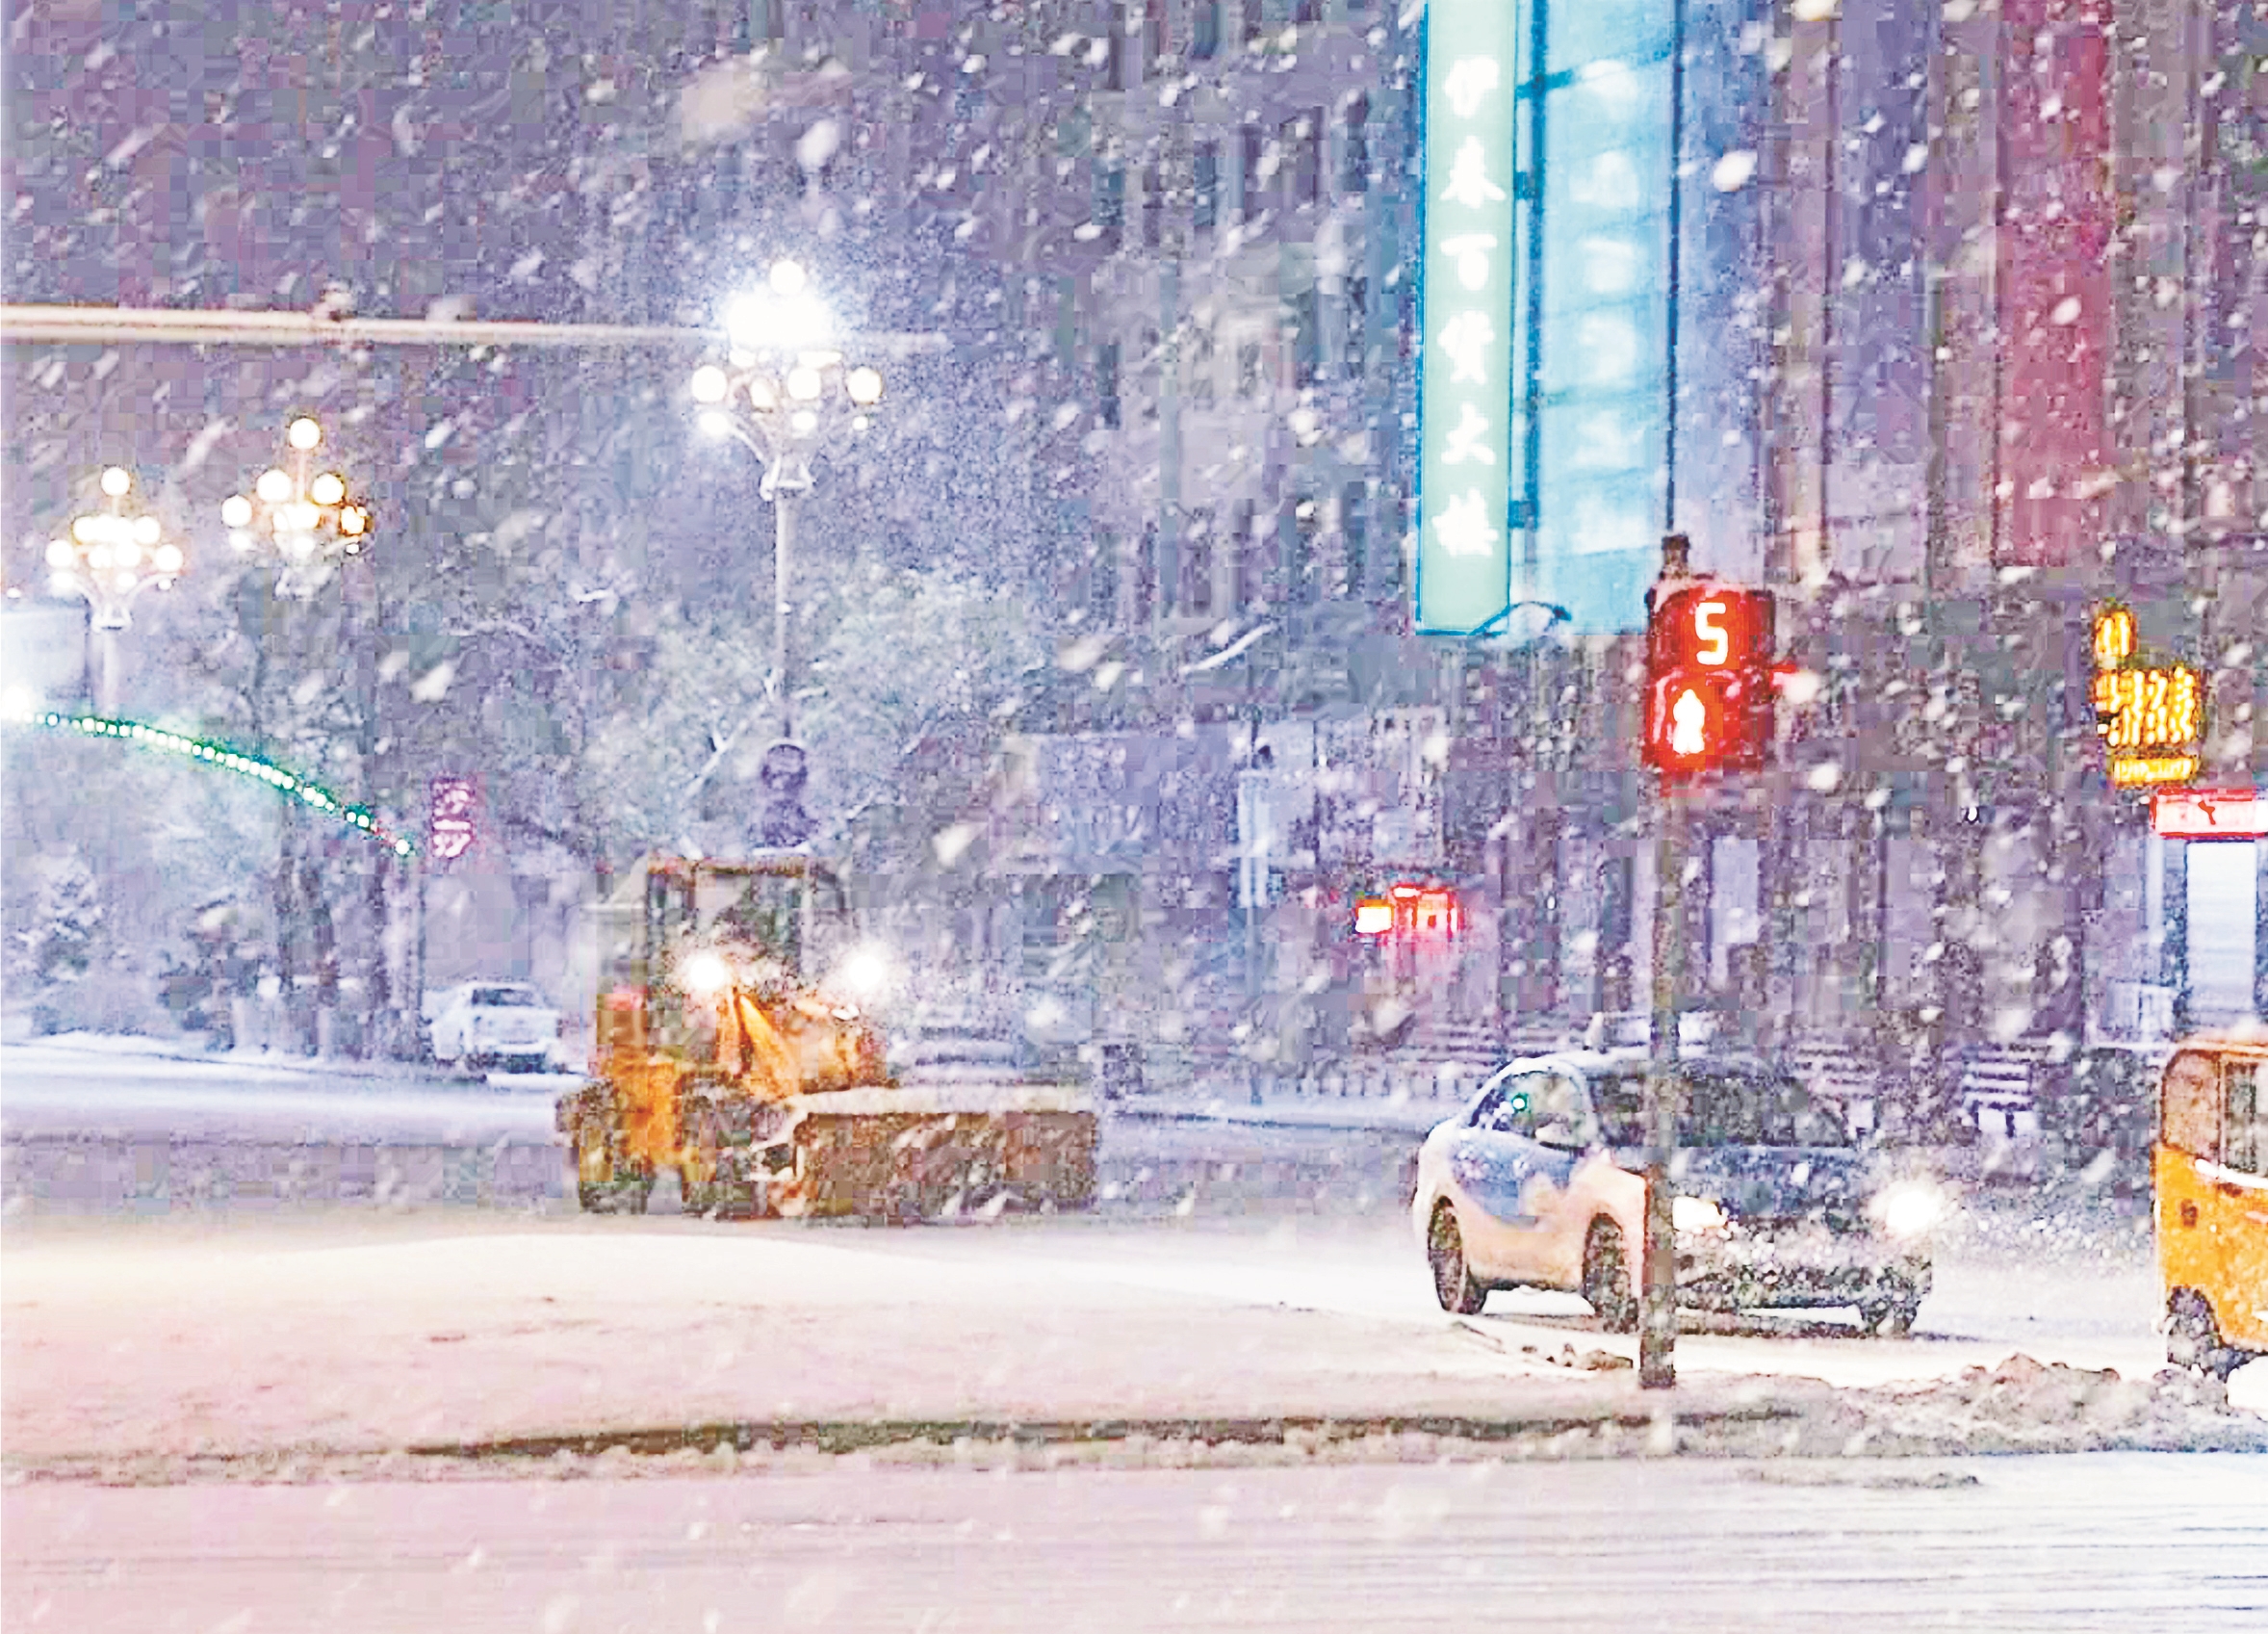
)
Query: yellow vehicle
[
  {"x": 2210, "y": 1174},
  {"x": 732, "y": 1050}
]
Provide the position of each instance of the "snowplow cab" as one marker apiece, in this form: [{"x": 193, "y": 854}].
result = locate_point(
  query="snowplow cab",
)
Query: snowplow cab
[{"x": 720, "y": 965}]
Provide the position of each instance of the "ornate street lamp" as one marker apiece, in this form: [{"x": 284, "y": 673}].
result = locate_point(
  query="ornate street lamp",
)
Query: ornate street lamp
[
  {"x": 108, "y": 558},
  {"x": 783, "y": 392},
  {"x": 303, "y": 513}
]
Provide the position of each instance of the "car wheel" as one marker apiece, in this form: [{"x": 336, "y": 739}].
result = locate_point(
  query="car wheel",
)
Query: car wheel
[
  {"x": 1606, "y": 1279},
  {"x": 1453, "y": 1278},
  {"x": 604, "y": 1182},
  {"x": 2193, "y": 1337}
]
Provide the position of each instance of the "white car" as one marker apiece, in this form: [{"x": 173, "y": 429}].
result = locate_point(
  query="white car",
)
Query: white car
[
  {"x": 493, "y": 1024},
  {"x": 1542, "y": 1182}
]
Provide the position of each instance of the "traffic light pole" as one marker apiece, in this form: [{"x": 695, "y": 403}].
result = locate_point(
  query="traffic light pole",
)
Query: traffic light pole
[{"x": 1657, "y": 1298}]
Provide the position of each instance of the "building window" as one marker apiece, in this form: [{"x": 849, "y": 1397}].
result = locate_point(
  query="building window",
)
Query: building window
[
  {"x": 1110, "y": 203},
  {"x": 1357, "y": 326},
  {"x": 1251, "y": 179},
  {"x": 1205, "y": 215},
  {"x": 1247, "y": 369},
  {"x": 1103, "y": 579},
  {"x": 1196, "y": 564},
  {"x": 1152, "y": 368},
  {"x": 1146, "y": 575},
  {"x": 1303, "y": 143},
  {"x": 1354, "y": 149},
  {"x": 1307, "y": 338},
  {"x": 1250, "y": 567},
  {"x": 1106, "y": 383},
  {"x": 1201, "y": 367},
  {"x": 1153, "y": 204},
  {"x": 1300, "y": 541},
  {"x": 1205, "y": 29},
  {"x": 1256, "y": 19},
  {"x": 1156, "y": 38},
  {"x": 1355, "y": 536},
  {"x": 1306, "y": 11}
]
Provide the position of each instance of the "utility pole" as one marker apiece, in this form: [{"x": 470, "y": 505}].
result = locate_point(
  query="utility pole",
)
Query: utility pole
[{"x": 1657, "y": 1297}]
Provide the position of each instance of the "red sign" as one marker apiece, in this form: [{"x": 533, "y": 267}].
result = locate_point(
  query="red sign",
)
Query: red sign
[
  {"x": 1409, "y": 910},
  {"x": 451, "y": 824},
  {"x": 2210, "y": 813}
]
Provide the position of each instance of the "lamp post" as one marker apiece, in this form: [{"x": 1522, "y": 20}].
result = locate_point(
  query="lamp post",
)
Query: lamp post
[
  {"x": 303, "y": 514},
  {"x": 108, "y": 558},
  {"x": 782, "y": 391}
]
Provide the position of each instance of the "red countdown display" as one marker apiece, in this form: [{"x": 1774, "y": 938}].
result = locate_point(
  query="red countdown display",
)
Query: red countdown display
[{"x": 1709, "y": 680}]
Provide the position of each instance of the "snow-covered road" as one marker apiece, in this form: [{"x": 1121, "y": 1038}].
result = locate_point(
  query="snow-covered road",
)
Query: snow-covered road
[
  {"x": 234, "y": 1287},
  {"x": 2113, "y": 1543}
]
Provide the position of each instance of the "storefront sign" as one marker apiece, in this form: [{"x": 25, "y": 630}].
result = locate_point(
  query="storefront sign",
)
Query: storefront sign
[{"x": 2210, "y": 814}]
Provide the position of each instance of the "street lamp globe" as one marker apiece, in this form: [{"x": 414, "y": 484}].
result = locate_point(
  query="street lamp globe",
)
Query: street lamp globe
[
  {"x": 60, "y": 553},
  {"x": 304, "y": 433},
  {"x": 762, "y": 393},
  {"x": 767, "y": 321},
  {"x": 804, "y": 383},
  {"x": 711, "y": 384},
  {"x": 865, "y": 386},
  {"x": 274, "y": 487},
  {"x": 786, "y": 277},
  {"x": 328, "y": 488},
  {"x": 236, "y": 512},
  {"x": 115, "y": 481}
]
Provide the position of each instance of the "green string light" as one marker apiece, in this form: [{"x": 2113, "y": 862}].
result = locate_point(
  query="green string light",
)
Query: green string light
[{"x": 312, "y": 795}]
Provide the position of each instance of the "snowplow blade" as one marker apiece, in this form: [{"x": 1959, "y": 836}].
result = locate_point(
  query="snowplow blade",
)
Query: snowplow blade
[{"x": 894, "y": 1155}]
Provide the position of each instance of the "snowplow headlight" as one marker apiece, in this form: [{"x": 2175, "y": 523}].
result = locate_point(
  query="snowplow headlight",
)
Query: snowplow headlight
[
  {"x": 1696, "y": 1214},
  {"x": 1912, "y": 1210},
  {"x": 706, "y": 975},
  {"x": 864, "y": 974}
]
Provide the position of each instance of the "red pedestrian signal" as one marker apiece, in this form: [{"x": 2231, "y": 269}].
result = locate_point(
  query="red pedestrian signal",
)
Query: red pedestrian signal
[{"x": 1709, "y": 679}]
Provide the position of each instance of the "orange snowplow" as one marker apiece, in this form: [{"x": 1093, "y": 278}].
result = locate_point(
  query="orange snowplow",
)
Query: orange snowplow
[{"x": 725, "y": 1054}]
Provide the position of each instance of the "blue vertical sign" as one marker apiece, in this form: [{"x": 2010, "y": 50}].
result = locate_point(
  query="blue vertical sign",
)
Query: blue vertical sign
[
  {"x": 1601, "y": 309},
  {"x": 1465, "y": 541},
  {"x": 1543, "y": 419}
]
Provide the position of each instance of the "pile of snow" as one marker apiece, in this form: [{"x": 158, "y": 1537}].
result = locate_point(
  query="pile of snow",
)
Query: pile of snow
[{"x": 2029, "y": 1406}]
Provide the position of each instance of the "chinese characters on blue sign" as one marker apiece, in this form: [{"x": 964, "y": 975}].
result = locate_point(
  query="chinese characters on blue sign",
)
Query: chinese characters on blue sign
[
  {"x": 1464, "y": 545},
  {"x": 1542, "y": 431}
]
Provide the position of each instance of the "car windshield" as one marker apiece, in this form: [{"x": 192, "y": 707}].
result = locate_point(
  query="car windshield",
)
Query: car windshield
[
  {"x": 1724, "y": 1106},
  {"x": 507, "y": 998}
]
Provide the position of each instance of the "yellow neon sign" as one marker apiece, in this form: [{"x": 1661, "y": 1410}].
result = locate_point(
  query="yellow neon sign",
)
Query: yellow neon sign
[{"x": 2150, "y": 716}]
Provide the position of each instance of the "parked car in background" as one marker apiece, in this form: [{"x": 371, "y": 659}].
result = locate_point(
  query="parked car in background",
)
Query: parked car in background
[
  {"x": 484, "y": 1024},
  {"x": 1542, "y": 1182}
]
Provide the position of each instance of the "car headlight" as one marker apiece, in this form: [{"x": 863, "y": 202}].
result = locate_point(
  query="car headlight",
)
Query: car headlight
[
  {"x": 1908, "y": 1212},
  {"x": 1696, "y": 1214}
]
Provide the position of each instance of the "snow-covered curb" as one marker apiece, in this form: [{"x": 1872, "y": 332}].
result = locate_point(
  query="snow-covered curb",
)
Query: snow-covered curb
[
  {"x": 2020, "y": 1407},
  {"x": 1394, "y": 1114}
]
